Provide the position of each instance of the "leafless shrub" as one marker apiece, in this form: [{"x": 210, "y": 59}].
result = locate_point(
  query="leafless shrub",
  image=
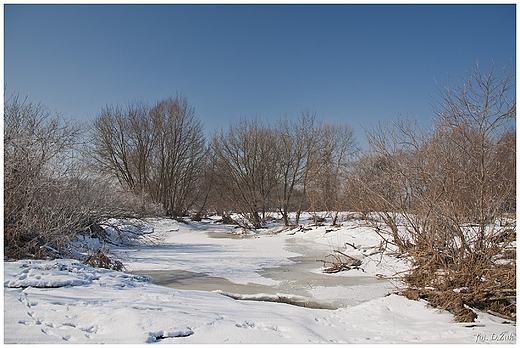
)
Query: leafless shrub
[
  {"x": 444, "y": 193},
  {"x": 101, "y": 259},
  {"x": 126, "y": 231},
  {"x": 49, "y": 196}
]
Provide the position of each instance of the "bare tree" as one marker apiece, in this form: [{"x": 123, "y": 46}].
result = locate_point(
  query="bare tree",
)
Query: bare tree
[
  {"x": 108, "y": 129},
  {"x": 178, "y": 155},
  {"x": 260, "y": 168},
  {"x": 337, "y": 148},
  {"x": 310, "y": 131},
  {"x": 293, "y": 152},
  {"x": 477, "y": 115},
  {"x": 155, "y": 152},
  {"x": 245, "y": 168}
]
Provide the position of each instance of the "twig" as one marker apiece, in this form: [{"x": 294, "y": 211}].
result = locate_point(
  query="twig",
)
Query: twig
[
  {"x": 348, "y": 256},
  {"x": 500, "y": 315},
  {"x": 352, "y": 245},
  {"x": 495, "y": 298}
]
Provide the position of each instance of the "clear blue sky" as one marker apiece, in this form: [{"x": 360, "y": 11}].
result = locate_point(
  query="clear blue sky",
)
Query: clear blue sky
[{"x": 359, "y": 63}]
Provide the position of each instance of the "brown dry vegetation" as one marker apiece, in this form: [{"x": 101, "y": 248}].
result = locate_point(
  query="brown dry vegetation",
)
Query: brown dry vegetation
[{"x": 446, "y": 195}]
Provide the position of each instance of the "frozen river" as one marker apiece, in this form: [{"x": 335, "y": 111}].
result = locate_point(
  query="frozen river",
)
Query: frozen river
[
  {"x": 58, "y": 301},
  {"x": 298, "y": 274}
]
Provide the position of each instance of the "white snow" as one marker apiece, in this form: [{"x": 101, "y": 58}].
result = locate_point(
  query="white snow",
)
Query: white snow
[{"x": 65, "y": 301}]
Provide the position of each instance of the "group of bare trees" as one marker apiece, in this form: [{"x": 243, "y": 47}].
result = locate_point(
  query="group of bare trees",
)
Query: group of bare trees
[
  {"x": 448, "y": 194},
  {"x": 61, "y": 180},
  {"x": 291, "y": 166},
  {"x": 160, "y": 154}
]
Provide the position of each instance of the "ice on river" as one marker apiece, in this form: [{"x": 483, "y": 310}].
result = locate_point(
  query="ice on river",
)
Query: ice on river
[{"x": 59, "y": 301}]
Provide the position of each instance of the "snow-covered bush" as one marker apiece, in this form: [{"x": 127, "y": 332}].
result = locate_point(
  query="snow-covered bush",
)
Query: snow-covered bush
[{"x": 49, "y": 194}]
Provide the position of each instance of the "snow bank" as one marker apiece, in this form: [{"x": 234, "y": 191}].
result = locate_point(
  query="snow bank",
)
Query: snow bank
[
  {"x": 113, "y": 307},
  {"x": 61, "y": 273},
  {"x": 65, "y": 301}
]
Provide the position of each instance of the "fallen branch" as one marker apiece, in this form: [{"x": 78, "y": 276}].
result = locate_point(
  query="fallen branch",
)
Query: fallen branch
[
  {"x": 496, "y": 314},
  {"x": 341, "y": 265},
  {"x": 352, "y": 245},
  {"x": 348, "y": 256}
]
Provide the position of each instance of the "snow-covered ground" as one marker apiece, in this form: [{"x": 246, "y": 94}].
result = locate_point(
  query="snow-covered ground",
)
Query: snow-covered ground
[{"x": 65, "y": 301}]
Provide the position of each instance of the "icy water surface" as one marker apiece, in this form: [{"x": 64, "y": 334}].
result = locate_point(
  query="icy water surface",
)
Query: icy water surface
[{"x": 301, "y": 278}]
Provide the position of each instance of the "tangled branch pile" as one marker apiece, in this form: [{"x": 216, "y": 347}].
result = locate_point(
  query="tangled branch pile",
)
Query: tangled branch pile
[
  {"x": 484, "y": 280},
  {"x": 339, "y": 262},
  {"x": 101, "y": 259}
]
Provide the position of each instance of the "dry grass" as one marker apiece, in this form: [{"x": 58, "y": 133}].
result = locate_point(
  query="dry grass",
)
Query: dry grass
[
  {"x": 457, "y": 287},
  {"x": 101, "y": 259}
]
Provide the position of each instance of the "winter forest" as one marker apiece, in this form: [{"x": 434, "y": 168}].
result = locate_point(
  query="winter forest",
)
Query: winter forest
[{"x": 445, "y": 192}]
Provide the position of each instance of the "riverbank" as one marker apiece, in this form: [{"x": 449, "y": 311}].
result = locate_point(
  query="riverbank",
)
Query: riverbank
[{"x": 60, "y": 301}]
